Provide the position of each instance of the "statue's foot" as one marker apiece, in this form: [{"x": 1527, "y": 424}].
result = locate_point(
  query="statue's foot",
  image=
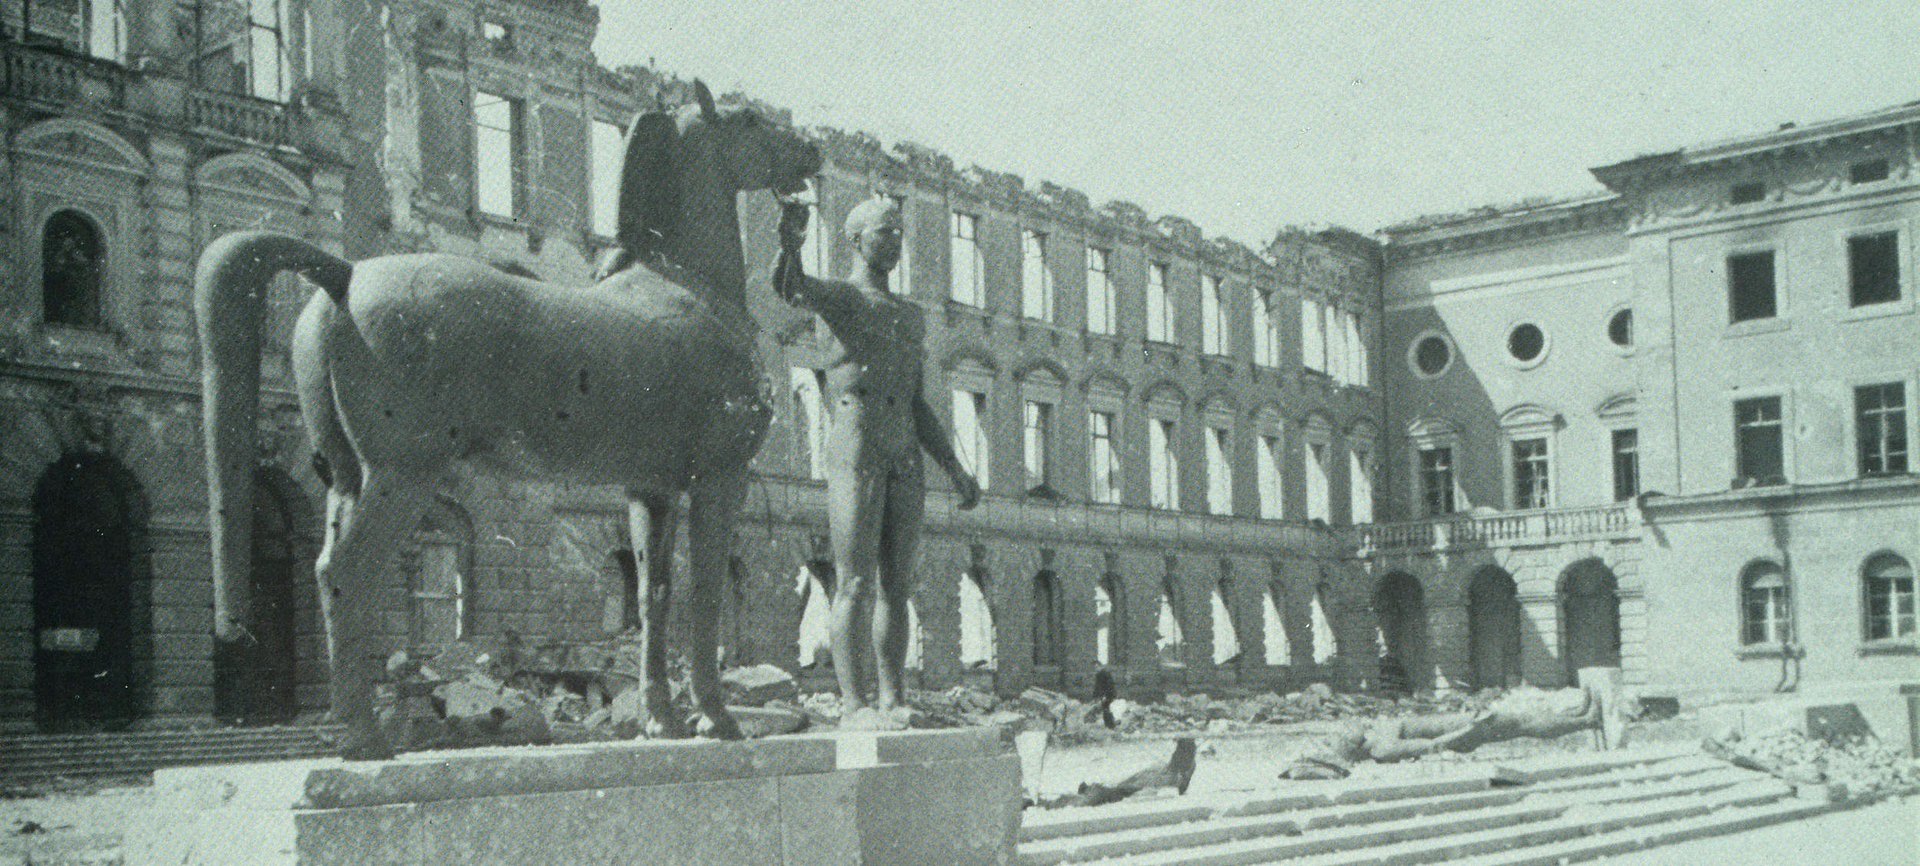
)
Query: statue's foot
[
  {"x": 719, "y": 726},
  {"x": 663, "y": 728}
]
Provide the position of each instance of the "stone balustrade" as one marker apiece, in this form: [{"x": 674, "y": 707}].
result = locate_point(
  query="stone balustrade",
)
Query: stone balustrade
[
  {"x": 1500, "y": 529},
  {"x": 256, "y": 120},
  {"x": 58, "y": 77}
]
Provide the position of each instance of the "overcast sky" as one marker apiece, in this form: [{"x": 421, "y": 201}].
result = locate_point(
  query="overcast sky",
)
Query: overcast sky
[{"x": 1248, "y": 116}]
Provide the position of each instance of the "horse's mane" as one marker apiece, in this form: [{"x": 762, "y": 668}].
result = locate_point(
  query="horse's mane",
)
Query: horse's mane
[{"x": 649, "y": 195}]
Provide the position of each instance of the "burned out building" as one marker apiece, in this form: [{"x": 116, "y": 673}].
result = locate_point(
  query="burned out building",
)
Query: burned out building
[{"x": 1206, "y": 466}]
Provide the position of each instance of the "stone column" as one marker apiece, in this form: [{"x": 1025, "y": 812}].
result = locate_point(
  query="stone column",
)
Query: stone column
[{"x": 1449, "y": 648}]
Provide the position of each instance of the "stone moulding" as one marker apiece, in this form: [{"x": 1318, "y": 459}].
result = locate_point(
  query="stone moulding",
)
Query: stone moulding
[{"x": 950, "y": 796}]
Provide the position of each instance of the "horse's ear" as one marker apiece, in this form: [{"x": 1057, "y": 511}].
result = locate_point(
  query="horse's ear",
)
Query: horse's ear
[
  {"x": 647, "y": 194},
  {"x": 705, "y": 97}
]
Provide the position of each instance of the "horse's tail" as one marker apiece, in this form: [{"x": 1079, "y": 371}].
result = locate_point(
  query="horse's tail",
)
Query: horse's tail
[{"x": 230, "y": 288}]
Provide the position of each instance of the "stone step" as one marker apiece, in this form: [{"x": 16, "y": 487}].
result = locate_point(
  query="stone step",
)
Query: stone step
[
  {"x": 1343, "y": 839},
  {"x": 1733, "y": 819},
  {"x": 1550, "y": 767},
  {"x": 1663, "y": 770},
  {"x": 1689, "y": 785},
  {"x": 1041, "y": 825},
  {"x": 1216, "y": 831}
]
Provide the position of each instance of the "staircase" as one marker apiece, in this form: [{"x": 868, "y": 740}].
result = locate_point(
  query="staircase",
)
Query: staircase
[
  {"x": 1546, "y": 811},
  {"x": 36, "y": 759}
]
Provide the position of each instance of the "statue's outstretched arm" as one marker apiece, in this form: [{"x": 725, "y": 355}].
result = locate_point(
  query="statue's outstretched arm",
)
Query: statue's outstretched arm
[{"x": 938, "y": 445}]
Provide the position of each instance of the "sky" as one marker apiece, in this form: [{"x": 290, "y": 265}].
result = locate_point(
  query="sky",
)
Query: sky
[{"x": 1245, "y": 117}]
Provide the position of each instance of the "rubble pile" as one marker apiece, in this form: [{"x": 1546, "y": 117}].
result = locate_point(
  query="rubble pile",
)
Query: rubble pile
[{"x": 1864, "y": 765}]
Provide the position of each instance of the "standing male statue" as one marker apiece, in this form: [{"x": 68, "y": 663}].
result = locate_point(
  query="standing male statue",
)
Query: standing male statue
[{"x": 880, "y": 424}]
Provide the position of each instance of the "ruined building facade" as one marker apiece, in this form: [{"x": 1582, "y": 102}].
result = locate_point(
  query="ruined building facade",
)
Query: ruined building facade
[{"x": 1458, "y": 445}]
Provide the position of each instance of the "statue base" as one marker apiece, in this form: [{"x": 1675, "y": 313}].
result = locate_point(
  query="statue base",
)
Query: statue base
[{"x": 945, "y": 796}]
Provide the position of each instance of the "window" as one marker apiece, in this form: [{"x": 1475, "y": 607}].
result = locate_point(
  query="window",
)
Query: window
[
  {"x": 1226, "y": 635},
  {"x": 1436, "y": 480},
  {"x": 1036, "y": 281},
  {"x": 1764, "y": 618},
  {"x": 1880, "y": 417},
  {"x": 1360, "y": 485},
  {"x": 1620, "y": 329},
  {"x": 970, "y": 433},
  {"x": 810, "y": 419},
  {"x": 1319, "y": 498},
  {"x": 1038, "y": 423},
  {"x": 1868, "y": 171},
  {"x": 1873, "y": 268},
  {"x": 1626, "y": 464},
  {"x": 978, "y": 642},
  {"x": 1100, "y": 295},
  {"x": 1531, "y": 487},
  {"x": 1214, "y": 339},
  {"x": 1889, "y": 590},
  {"x": 1746, "y": 193},
  {"x": 436, "y": 577},
  {"x": 93, "y": 27},
  {"x": 1169, "y": 639},
  {"x": 1336, "y": 348},
  {"x": 1750, "y": 286},
  {"x": 1103, "y": 470},
  {"x": 964, "y": 262},
  {"x": 1163, "y": 465},
  {"x": 267, "y": 72},
  {"x": 900, "y": 279},
  {"x": 497, "y": 156},
  {"x": 1757, "y": 435},
  {"x": 1219, "y": 471},
  {"x": 1356, "y": 352},
  {"x": 609, "y": 156},
  {"x": 1526, "y": 343},
  {"x": 1273, "y": 626},
  {"x": 1046, "y": 619},
  {"x": 1160, "y": 312},
  {"x": 1313, "y": 339},
  {"x": 1326, "y": 644},
  {"x": 1271, "y": 502},
  {"x": 1431, "y": 356},
  {"x": 73, "y": 270},
  {"x": 1266, "y": 336},
  {"x": 498, "y": 34},
  {"x": 1104, "y": 621}
]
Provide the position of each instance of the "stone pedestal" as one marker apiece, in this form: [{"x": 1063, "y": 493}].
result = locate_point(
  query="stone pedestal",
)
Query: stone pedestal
[{"x": 906, "y": 798}]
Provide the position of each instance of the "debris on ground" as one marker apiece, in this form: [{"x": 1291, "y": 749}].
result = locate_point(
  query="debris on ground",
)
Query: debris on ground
[{"x": 1864, "y": 765}]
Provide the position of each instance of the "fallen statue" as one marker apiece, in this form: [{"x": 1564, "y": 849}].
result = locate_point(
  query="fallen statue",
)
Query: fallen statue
[
  {"x": 1175, "y": 774},
  {"x": 1525, "y": 712}
]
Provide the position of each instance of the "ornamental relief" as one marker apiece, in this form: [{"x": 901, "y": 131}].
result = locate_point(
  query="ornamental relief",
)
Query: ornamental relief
[{"x": 1708, "y": 197}]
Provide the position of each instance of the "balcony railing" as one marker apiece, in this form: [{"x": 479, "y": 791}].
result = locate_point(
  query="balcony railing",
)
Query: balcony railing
[
  {"x": 48, "y": 75},
  {"x": 255, "y": 120},
  {"x": 1500, "y": 530}
]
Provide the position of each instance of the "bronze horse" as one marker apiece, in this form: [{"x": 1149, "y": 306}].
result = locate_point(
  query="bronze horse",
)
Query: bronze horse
[{"x": 405, "y": 364}]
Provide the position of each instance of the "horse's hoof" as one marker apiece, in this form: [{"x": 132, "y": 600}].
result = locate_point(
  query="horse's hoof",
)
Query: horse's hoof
[
  {"x": 657, "y": 729},
  {"x": 719, "y": 728}
]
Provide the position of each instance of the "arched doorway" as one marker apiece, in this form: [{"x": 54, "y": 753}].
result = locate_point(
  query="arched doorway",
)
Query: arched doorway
[
  {"x": 1400, "y": 607},
  {"x": 1590, "y": 613},
  {"x": 89, "y": 545},
  {"x": 1493, "y": 629},
  {"x": 255, "y": 683}
]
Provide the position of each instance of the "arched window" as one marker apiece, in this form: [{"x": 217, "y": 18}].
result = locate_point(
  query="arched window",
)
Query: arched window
[
  {"x": 977, "y": 648},
  {"x": 814, "y": 585},
  {"x": 1274, "y": 625},
  {"x": 1764, "y": 617},
  {"x": 439, "y": 578},
  {"x": 1046, "y": 619},
  {"x": 1226, "y": 636},
  {"x": 73, "y": 266},
  {"x": 1889, "y": 598},
  {"x": 1110, "y": 626},
  {"x": 1325, "y": 643},
  {"x": 1170, "y": 640}
]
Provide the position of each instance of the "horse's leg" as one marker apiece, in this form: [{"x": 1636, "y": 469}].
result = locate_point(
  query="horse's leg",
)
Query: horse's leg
[
  {"x": 652, "y": 523},
  {"x": 363, "y": 532},
  {"x": 711, "y": 506}
]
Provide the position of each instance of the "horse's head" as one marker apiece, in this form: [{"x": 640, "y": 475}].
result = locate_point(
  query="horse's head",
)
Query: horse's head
[{"x": 702, "y": 147}]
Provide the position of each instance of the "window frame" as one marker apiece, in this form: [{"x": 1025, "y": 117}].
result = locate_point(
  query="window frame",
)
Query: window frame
[
  {"x": 1613, "y": 460},
  {"x": 1904, "y": 259},
  {"x": 1034, "y": 263},
  {"x": 1904, "y": 429},
  {"x": 1777, "y": 258},
  {"x": 517, "y": 168},
  {"x": 1783, "y": 423},
  {"x": 1894, "y": 636},
  {"x": 963, "y": 237},
  {"x": 1161, "y": 309},
  {"x": 1777, "y": 628},
  {"x": 1216, "y": 330},
  {"x": 1105, "y": 292}
]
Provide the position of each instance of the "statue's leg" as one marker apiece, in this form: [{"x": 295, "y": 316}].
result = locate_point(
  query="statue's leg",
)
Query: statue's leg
[
  {"x": 652, "y": 523},
  {"x": 854, "y": 513},
  {"x": 363, "y": 533},
  {"x": 899, "y": 547},
  {"x": 712, "y": 504}
]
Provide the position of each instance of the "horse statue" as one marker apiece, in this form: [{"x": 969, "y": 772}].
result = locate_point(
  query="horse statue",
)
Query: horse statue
[{"x": 405, "y": 364}]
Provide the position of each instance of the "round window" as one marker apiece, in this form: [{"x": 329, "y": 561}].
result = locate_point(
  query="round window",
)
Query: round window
[
  {"x": 1620, "y": 328},
  {"x": 1432, "y": 354},
  {"x": 1526, "y": 343}
]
